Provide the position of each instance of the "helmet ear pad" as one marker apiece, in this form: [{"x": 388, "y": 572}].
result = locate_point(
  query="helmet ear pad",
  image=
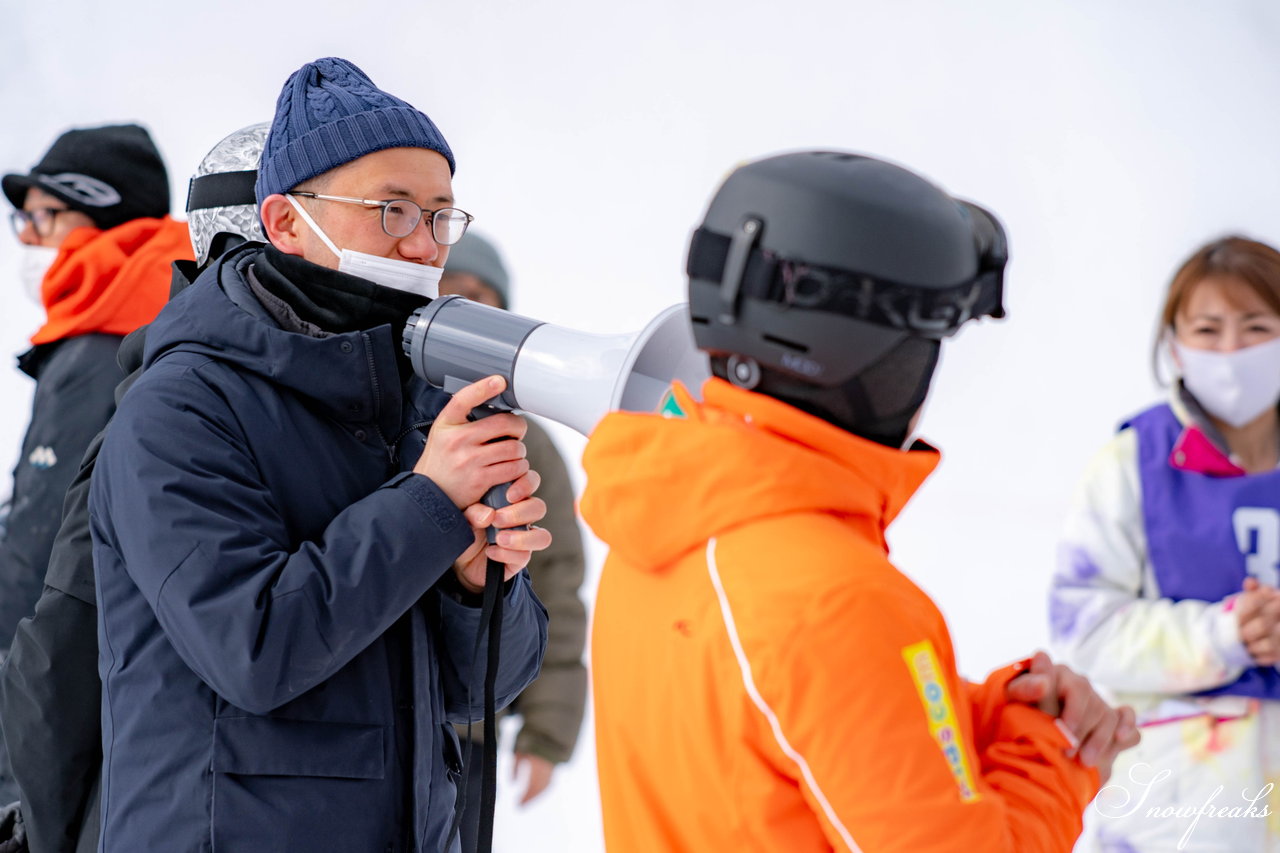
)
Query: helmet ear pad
[
  {"x": 878, "y": 403},
  {"x": 885, "y": 397}
]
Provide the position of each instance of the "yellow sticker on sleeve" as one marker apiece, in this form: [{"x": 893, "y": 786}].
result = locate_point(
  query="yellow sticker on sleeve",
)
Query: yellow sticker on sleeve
[{"x": 922, "y": 661}]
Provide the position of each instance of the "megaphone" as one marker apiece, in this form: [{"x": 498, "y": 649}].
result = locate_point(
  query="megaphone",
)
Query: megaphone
[{"x": 572, "y": 377}]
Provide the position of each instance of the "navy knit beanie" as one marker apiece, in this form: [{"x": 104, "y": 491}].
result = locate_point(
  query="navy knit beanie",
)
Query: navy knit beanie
[{"x": 330, "y": 113}]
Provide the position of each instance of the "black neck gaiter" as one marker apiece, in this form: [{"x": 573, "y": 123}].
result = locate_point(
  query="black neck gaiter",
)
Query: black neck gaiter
[{"x": 330, "y": 300}]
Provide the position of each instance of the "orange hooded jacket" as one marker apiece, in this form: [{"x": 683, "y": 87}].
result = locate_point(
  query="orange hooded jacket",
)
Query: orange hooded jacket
[{"x": 765, "y": 679}]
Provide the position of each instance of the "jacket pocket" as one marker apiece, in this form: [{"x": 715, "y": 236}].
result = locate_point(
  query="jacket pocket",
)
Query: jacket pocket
[
  {"x": 270, "y": 746},
  {"x": 282, "y": 784}
]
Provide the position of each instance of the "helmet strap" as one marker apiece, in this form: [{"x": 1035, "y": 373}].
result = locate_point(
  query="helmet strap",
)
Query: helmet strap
[
  {"x": 221, "y": 189},
  {"x": 744, "y": 239}
]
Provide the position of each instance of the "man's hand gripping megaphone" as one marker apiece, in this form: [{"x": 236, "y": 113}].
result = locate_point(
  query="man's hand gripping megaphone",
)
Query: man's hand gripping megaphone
[{"x": 475, "y": 455}]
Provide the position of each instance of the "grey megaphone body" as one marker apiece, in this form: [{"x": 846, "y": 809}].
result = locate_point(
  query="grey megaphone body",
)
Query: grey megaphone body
[{"x": 574, "y": 378}]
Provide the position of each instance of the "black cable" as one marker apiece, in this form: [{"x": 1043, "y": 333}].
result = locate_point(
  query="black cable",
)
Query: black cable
[{"x": 489, "y": 769}]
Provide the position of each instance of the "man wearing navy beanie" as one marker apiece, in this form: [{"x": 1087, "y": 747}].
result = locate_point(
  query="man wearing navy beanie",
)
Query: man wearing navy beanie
[{"x": 288, "y": 534}]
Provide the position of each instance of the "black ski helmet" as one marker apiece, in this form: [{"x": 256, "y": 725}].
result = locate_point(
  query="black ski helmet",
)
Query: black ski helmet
[{"x": 828, "y": 279}]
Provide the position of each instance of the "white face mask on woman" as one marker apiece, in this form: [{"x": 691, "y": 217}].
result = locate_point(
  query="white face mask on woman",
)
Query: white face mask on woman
[
  {"x": 421, "y": 279},
  {"x": 1235, "y": 387},
  {"x": 36, "y": 261}
]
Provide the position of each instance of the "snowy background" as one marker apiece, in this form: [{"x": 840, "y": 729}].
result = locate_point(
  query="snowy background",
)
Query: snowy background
[{"x": 1111, "y": 138}]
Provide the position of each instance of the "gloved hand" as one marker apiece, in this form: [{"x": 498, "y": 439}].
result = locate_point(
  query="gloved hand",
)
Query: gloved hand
[{"x": 13, "y": 832}]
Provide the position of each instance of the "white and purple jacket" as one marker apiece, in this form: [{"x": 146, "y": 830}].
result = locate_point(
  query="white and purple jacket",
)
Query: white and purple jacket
[{"x": 1162, "y": 532}]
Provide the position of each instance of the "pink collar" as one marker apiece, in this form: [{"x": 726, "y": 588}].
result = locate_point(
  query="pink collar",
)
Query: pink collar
[{"x": 1194, "y": 451}]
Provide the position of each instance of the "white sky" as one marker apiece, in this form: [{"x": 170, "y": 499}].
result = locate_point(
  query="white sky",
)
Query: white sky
[{"x": 1110, "y": 138}]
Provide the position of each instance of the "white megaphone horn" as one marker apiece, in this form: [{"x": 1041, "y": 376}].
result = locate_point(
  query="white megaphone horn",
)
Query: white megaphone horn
[{"x": 572, "y": 377}]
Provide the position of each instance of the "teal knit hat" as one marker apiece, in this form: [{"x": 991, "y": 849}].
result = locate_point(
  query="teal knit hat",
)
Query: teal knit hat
[{"x": 330, "y": 113}]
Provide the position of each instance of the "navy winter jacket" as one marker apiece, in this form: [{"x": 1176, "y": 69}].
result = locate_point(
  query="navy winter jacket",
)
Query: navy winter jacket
[{"x": 279, "y": 649}]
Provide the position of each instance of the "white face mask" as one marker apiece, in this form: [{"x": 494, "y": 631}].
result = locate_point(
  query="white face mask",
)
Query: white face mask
[
  {"x": 421, "y": 279},
  {"x": 1237, "y": 386},
  {"x": 36, "y": 261}
]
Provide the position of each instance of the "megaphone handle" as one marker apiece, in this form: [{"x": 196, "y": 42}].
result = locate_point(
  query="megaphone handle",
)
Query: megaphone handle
[{"x": 496, "y": 497}]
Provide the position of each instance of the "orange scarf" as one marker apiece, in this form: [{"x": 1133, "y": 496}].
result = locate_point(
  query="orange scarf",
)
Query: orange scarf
[{"x": 111, "y": 281}]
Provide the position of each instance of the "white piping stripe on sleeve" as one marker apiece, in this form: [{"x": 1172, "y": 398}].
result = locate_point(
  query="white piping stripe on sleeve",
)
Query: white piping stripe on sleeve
[{"x": 745, "y": 666}]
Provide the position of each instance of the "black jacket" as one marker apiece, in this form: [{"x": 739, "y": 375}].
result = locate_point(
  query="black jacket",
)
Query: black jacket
[
  {"x": 49, "y": 687},
  {"x": 74, "y": 397},
  {"x": 280, "y": 643}
]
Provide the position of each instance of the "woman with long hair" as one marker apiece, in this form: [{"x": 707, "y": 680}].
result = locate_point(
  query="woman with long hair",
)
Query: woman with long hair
[{"x": 1166, "y": 588}]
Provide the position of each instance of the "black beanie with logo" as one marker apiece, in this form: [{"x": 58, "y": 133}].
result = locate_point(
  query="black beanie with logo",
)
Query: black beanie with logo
[{"x": 113, "y": 174}]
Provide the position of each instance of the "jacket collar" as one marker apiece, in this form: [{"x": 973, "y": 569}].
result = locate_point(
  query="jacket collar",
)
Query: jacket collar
[
  {"x": 1199, "y": 448},
  {"x": 352, "y": 376},
  {"x": 661, "y": 484},
  {"x": 894, "y": 473}
]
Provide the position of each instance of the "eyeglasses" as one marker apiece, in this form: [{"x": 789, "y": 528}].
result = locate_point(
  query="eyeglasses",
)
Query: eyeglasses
[
  {"x": 400, "y": 216},
  {"x": 41, "y": 219}
]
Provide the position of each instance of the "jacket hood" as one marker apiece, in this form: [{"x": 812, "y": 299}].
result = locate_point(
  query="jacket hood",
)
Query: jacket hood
[
  {"x": 348, "y": 375},
  {"x": 659, "y": 485},
  {"x": 110, "y": 281}
]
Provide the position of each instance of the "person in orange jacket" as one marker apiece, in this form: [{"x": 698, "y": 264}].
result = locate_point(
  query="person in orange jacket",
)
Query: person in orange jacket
[
  {"x": 764, "y": 678},
  {"x": 93, "y": 220}
]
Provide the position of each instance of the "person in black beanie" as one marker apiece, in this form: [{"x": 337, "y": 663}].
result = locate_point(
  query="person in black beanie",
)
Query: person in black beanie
[
  {"x": 111, "y": 174},
  {"x": 290, "y": 624},
  {"x": 92, "y": 217},
  {"x": 50, "y": 694}
]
